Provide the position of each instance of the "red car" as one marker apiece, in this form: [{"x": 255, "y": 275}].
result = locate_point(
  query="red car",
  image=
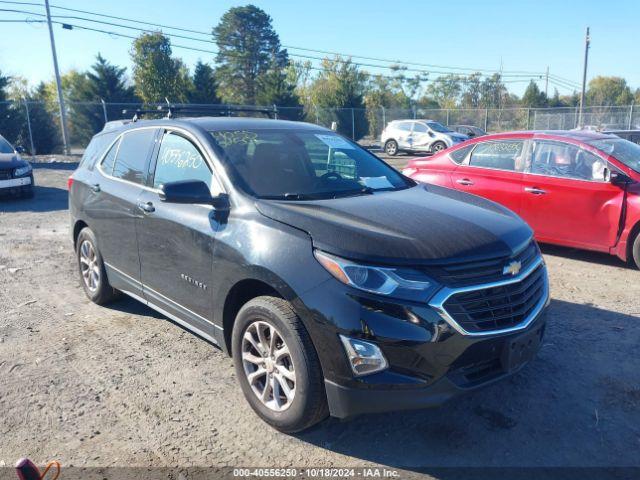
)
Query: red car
[{"x": 574, "y": 188}]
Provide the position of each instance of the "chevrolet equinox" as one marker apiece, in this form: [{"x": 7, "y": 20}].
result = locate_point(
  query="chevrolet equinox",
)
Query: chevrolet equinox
[{"x": 339, "y": 286}]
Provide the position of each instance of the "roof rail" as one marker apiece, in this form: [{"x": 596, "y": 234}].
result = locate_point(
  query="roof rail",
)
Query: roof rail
[{"x": 171, "y": 110}]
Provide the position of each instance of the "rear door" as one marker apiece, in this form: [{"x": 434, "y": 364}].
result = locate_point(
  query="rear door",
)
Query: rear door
[
  {"x": 176, "y": 240},
  {"x": 420, "y": 137},
  {"x": 112, "y": 209},
  {"x": 403, "y": 134},
  {"x": 494, "y": 170},
  {"x": 566, "y": 199}
]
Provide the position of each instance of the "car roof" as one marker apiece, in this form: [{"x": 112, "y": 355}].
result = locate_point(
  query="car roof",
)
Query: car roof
[
  {"x": 578, "y": 135},
  {"x": 226, "y": 123}
]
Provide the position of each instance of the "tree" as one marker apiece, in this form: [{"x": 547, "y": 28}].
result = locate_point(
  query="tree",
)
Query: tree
[
  {"x": 248, "y": 49},
  {"x": 533, "y": 97},
  {"x": 446, "y": 90},
  {"x": 609, "y": 91},
  {"x": 385, "y": 92},
  {"x": 157, "y": 75},
  {"x": 556, "y": 101},
  {"x": 44, "y": 127},
  {"x": 338, "y": 95},
  {"x": 204, "y": 88},
  {"x": 276, "y": 88}
]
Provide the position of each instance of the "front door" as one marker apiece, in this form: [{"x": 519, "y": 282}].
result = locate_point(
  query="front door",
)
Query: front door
[
  {"x": 421, "y": 137},
  {"x": 176, "y": 240},
  {"x": 494, "y": 171},
  {"x": 566, "y": 199}
]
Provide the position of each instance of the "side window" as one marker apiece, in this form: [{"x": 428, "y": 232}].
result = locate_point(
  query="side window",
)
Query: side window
[
  {"x": 459, "y": 155},
  {"x": 133, "y": 153},
  {"x": 565, "y": 160},
  {"x": 420, "y": 128},
  {"x": 95, "y": 149},
  {"x": 109, "y": 159},
  {"x": 503, "y": 155},
  {"x": 404, "y": 126},
  {"x": 179, "y": 159}
]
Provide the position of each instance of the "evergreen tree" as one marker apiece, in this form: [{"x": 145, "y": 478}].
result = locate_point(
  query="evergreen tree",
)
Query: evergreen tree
[
  {"x": 248, "y": 49},
  {"x": 533, "y": 97},
  {"x": 204, "y": 88}
]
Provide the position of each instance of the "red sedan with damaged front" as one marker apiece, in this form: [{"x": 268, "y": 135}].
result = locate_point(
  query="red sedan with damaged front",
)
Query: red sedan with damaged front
[{"x": 574, "y": 188}]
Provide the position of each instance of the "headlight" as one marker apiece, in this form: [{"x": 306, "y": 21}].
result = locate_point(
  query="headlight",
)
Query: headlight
[
  {"x": 18, "y": 172},
  {"x": 403, "y": 283}
]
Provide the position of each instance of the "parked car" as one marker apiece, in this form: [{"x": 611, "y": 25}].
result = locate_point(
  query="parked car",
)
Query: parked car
[
  {"x": 418, "y": 136},
  {"x": 338, "y": 285},
  {"x": 631, "y": 135},
  {"x": 468, "y": 130},
  {"x": 16, "y": 174},
  {"x": 574, "y": 188}
]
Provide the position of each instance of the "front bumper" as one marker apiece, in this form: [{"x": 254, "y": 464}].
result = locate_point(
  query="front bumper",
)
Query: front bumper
[
  {"x": 16, "y": 185},
  {"x": 474, "y": 370},
  {"x": 430, "y": 359}
]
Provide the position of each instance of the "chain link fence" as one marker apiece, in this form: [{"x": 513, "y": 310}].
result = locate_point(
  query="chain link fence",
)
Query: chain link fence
[{"x": 36, "y": 125}]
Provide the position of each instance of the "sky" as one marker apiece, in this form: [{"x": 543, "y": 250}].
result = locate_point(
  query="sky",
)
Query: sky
[{"x": 489, "y": 34}]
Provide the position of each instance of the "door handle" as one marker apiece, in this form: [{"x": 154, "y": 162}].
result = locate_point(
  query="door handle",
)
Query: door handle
[
  {"x": 146, "y": 207},
  {"x": 95, "y": 187},
  {"x": 464, "y": 181},
  {"x": 535, "y": 190}
]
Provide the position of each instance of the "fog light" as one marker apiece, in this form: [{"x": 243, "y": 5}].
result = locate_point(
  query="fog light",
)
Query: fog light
[{"x": 364, "y": 357}]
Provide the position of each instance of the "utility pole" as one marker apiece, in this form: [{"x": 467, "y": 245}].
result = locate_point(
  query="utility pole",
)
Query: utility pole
[
  {"x": 587, "y": 41},
  {"x": 63, "y": 113},
  {"x": 546, "y": 83}
]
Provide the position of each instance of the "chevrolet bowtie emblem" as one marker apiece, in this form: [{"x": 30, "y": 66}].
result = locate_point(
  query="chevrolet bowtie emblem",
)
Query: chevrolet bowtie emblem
[{"x": 512, "y": 268}]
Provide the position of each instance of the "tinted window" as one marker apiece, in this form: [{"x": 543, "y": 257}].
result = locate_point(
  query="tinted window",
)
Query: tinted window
[
  {"x": 505, "y": 155},
  {"x": 459, "y": 155},
  {"x": 179, "y": 159},
  {"x": 95, "y": 149},
  {"x": 298, "y": 164},
  {"x": 565, "y": 160},
  {"x": 107, "y": 163},
  {"x": 5, "y": 147},
  {"x": 438, "y": 127},
  {"x": 625, "y": 151},
  {"x": 420, "y": 128},
  {"x": 132, "y": 156}
]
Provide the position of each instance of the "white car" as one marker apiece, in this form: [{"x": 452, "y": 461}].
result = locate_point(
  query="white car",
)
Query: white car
[{"x": 426, "y": 136}]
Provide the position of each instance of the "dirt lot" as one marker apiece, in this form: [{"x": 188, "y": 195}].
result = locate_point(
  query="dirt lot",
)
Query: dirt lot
[{"x": 95, "y": 386}]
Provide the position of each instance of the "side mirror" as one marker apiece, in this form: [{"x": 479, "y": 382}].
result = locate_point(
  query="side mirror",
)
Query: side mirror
[
  {"x": 192, "y": 192},
  {"x": 615, "y": 177},
  {"x": 431, "y": 134},
  {"x": 471, "y": 134},
  {"x": 20, "y": 149}
]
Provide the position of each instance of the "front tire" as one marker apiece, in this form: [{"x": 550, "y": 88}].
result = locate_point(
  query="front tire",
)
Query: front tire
[
  {"x": 93, "y": 275},
  {"x": 391, "y": 148},
  {"x": 277, "y": 365},
  {"x": 635, "y": 250}
]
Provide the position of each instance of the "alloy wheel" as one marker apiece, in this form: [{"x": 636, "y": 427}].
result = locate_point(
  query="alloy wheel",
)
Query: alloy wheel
[
  {"x": 89, "y": 267},
  {"x": 268, "y": 366}
]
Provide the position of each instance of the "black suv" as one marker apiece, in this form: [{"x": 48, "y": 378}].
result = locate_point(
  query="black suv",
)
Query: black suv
[{"x": 338, "y": 285}]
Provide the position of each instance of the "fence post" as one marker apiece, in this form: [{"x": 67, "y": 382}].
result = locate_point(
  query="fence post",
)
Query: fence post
[
  {"x": 447, "y": 116},
  {"x": 104, "y": 110},
  {"x": 413, "y": 109},
  {"x": 384, "y": 118},
  {"x": 528, "y": 118},
  {"x": 630, "y": 116},
  {"x": 486, "y": 119},
  {"x": 275, "y": 111},
  {"x": 353, "y": 125},
  {"x": 26, "y": 108},
  {"x": 317, "y": 119}
]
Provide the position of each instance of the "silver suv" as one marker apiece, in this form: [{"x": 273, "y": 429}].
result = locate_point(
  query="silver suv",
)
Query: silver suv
[{"x": 418, "y": 136}]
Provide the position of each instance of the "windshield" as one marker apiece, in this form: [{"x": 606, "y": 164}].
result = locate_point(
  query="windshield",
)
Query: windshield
[
  {"x": 438, "y": 127},
  {"x": 624, "y": 150},
  {"x": 5, "y": 147},
  {"x": 303, "y": 165}
]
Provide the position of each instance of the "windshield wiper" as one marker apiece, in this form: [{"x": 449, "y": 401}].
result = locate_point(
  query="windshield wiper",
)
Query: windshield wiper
[{"x": 357, "y": 191}]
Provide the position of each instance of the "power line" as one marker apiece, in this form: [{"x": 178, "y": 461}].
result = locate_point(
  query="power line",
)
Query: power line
[{"x": 395, "y": 63}]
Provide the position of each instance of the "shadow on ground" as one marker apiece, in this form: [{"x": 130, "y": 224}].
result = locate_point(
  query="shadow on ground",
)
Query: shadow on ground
[
  {"x": 576, "y": 404},
  {"x": 583, "y": 255},
  {"x": 45, "y": 199}
]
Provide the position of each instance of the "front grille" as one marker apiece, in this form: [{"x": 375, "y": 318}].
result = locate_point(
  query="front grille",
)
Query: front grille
[
  {"x": 500, "y": 307},
  {"x": 5, "y": 174},
  {"x": 484, "y": 271}
]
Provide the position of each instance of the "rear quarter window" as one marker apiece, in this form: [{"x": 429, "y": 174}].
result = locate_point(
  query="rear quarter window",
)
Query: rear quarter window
[
  {"x": 459, "y": 155},
  {"x": 96, "y": 149}
]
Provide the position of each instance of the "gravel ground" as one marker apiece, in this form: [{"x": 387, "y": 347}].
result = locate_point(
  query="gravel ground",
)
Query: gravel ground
[{"x": 96, "y": 386}]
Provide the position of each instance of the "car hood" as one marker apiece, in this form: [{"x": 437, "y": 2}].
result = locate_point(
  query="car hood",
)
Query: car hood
[
  {"x": 458, "y": 136},
  {"x": 10, "y": 160},
  {"x": 425, "y": 224}
]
